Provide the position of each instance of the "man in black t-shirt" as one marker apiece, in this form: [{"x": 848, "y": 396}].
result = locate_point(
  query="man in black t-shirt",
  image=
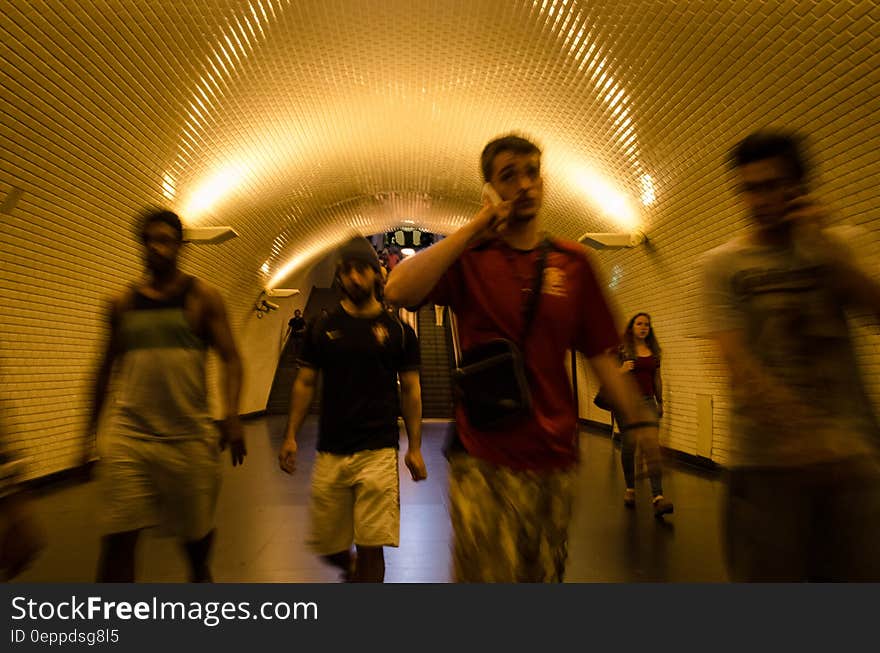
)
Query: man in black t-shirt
[
  {"x": 362, "y": 352},
  {"x": 297, "y": 324}
]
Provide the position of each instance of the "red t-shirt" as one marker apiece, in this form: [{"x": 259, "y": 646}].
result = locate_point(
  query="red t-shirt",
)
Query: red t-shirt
[
  {"x": 644, "y": 368},
  {"x": 487, "y": 287}
]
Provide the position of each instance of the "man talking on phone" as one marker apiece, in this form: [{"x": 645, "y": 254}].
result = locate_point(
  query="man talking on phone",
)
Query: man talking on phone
[
  {"x": 511, "y": 490},
  {"x": 803, "y": 495}
]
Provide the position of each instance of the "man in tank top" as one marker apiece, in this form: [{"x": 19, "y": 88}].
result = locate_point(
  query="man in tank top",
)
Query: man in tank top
[{"x": 159, "y": 457}]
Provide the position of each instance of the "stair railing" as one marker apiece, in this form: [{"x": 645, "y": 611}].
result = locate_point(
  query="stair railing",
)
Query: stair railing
[{"x": 453, "y": 325}]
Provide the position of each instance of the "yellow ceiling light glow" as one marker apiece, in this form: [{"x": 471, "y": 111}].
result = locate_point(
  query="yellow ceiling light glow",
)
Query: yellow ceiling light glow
[
  {"x": 195, "y": 139},
  {"x": 609, "y": 201},
  {"x": 307, "y": 255},
  {"x": 649, "y": 195},
  {"x": 387, "y": 134},
  {"x": 168, "y": 190},
  {"x": 208, "y": 194}
]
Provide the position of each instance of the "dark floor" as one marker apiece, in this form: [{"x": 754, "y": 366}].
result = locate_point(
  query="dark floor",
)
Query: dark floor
[{"x": 261, "y": 523}]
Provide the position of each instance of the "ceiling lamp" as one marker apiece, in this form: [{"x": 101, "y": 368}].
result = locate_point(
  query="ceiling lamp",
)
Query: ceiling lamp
[
  {"x": 208, "y": 235},
  {"x": 613, "y": 240}
]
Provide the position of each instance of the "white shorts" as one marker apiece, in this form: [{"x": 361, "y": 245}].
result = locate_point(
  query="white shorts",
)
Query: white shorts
[
  {"x": 153, "y": 481},
  {"x": 355, "y": 499}
]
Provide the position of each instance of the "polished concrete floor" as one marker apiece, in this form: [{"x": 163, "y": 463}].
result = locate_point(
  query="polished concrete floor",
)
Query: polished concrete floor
[{"x": 261, "y": 523}]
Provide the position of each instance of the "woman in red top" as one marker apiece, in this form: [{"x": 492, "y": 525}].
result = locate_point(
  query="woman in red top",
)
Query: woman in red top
[{"x": 640, "y": 356}]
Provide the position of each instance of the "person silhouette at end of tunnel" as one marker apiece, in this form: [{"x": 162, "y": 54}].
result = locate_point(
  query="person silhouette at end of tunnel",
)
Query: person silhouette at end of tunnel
[
  {"x": 159, "y": 458},
  {"x": 297, "y": 324},
  {"x": 362, "y": 351},
  {"x": 297, "y": 327},
  {"x": 511, "y": 490}
]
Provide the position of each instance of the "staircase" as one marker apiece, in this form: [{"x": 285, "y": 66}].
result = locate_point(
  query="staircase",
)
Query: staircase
[
  {"x": 285, "y": 373},
  {"x": 436, "y": 365}
]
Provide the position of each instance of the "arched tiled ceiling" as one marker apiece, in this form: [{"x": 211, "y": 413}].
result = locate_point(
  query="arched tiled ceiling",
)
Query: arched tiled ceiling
[
  {"x": 297, "y": 121},
  {"x": 310, "y": 118},
  {"x": 305, "y": 120}
]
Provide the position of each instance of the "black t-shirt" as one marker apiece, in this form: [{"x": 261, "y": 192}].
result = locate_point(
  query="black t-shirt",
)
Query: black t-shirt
[
  {"x": 359, "y": 359},
  {"x": 297, "y": 324}
]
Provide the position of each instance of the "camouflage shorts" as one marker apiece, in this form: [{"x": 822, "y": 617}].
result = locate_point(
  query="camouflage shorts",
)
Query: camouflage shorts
[{"x": 508, "y": 526}]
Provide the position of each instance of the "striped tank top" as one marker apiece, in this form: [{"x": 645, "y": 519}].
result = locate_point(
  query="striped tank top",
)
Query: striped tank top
[{"x": 162, "y": 386}]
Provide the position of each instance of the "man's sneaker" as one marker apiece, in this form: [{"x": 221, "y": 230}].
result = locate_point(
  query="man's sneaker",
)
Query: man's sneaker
[
  {"x": 662, "y": 506},
  {"x": 629, "y": 498}
]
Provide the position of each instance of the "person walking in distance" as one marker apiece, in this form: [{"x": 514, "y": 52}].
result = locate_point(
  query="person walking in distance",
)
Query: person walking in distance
[{"x": 640, "y": 357}]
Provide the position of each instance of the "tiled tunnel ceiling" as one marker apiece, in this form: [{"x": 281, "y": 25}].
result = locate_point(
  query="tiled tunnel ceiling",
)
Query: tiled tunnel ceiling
[{"x": 297, "y": 121}]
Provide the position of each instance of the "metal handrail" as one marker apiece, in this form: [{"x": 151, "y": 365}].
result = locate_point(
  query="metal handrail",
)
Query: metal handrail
[{"x": 453, "y": 325}]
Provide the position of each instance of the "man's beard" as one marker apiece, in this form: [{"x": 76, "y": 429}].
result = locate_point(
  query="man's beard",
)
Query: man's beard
[
  {"x": 774, "y": 223},
  {"x": 527, "y": 215},
  {"x": 357, "y": 295},
  {"x": 159, "y": 266}
]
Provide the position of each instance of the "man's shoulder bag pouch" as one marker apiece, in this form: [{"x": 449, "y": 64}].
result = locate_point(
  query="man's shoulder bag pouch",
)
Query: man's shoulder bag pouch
[
  {"x": 491, "y": 385},
  {"x": 490, "y": 381}
]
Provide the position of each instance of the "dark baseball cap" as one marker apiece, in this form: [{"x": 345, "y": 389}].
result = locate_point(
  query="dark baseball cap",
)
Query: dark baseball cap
[{"x": 359, "y": 249}]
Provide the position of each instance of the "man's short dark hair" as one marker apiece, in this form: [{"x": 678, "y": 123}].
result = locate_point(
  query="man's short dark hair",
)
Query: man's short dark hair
[
  {"x": 509, "y": 143},
  {"x": 764, "y": 145},
  {"x": 165, "y": 216}
]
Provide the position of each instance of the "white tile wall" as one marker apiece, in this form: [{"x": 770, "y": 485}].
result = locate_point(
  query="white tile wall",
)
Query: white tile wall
[
  {"x": 339, "y": 115},
  {"x": 819, "y": 76}
]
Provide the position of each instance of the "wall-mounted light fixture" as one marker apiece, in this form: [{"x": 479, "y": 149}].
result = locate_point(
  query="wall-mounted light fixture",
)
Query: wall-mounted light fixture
[
  {"x": 613, "y": 240},
  {"x": 281, "y": 292},
  {"x": 263, "y": 305},
  {"x": 208, "y": 235}
]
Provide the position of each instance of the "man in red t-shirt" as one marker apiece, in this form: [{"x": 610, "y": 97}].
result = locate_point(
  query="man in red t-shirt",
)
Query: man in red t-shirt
[{"x": 511, "y": 492}]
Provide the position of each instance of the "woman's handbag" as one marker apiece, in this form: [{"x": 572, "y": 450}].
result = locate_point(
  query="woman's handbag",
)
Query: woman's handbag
[
  {"x": 490, "y": 380},
  {"x": 601, "y": 400}
]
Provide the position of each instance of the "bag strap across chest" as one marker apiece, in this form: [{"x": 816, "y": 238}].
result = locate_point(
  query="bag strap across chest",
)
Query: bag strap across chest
[{"x": 531, "y": 307}]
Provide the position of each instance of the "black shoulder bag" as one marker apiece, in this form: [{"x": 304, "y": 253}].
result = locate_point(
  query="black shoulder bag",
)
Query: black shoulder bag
[{"x": 490, "y": 380}]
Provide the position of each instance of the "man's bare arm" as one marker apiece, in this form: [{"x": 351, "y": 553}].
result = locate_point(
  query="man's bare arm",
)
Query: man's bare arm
[
  {"x": 411, "y": 408},
  {"x": 224, "y": 343},
  {"x": 301, "y": 398}
]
